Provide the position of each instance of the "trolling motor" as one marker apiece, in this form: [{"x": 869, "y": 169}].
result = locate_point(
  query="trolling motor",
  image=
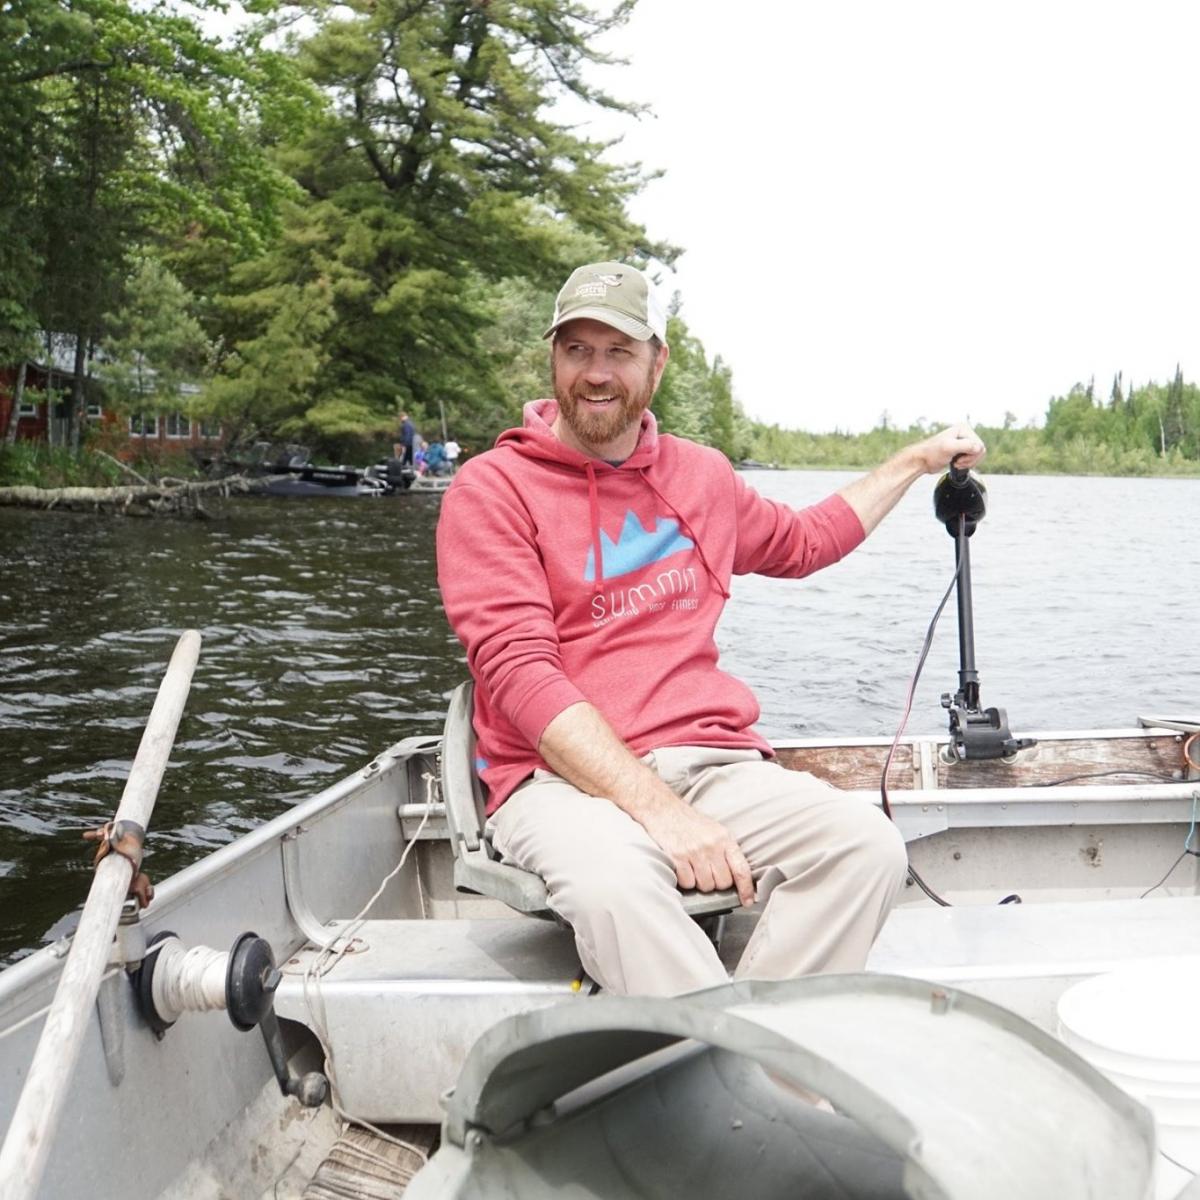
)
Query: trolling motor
[{"x": 960, "y": 503}]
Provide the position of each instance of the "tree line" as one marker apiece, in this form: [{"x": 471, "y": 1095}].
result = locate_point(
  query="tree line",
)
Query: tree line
[
  {"x": 335, "y": 212},
  {"x": 1152, "y": 429}
]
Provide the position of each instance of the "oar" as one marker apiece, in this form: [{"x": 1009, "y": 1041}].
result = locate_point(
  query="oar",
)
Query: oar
[{"x": 27, "y": 1144}]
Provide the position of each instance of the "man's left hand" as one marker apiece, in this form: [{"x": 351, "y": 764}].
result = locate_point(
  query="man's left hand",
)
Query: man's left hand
[
  {"x": 875, "y": 495},
  {"x": 959, "y": 444}
]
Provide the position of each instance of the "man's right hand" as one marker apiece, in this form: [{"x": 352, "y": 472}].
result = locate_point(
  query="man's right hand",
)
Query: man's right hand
[
  {"x": 702, "y": 851},
  {"x": 579, "y": 745}
]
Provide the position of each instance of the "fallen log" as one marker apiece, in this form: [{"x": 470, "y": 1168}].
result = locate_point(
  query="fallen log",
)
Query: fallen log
[{"x": 151, "y": 499}]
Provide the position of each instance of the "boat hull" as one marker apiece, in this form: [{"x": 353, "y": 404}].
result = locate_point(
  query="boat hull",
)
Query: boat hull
[{"x": 433, "y": 968}]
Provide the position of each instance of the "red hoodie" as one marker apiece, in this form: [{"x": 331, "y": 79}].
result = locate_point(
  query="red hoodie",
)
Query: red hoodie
[{"x": 522, "y": 530}]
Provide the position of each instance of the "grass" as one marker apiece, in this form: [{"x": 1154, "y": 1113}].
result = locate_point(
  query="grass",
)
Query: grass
[{"x": 34, "y": 464}]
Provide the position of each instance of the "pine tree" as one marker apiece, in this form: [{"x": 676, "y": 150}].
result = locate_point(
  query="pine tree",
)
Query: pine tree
[
  {"x": 1174, "y": 420},
  {"x": 721, "y": 409},
  {"x": 438, "y": 173}
]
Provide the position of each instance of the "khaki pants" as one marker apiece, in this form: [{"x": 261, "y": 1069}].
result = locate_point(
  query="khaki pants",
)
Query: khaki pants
[{"x": 827, "y": 866}]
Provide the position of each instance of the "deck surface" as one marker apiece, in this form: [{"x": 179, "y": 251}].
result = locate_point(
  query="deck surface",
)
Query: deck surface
[{"x": 1025, "y": 955}]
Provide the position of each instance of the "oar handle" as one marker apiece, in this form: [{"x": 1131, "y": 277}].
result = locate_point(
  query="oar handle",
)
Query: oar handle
[{"x": 31, "y": 1132}]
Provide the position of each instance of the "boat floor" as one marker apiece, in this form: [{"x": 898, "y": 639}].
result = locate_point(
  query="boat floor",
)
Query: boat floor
[{"x": 361, "y": 1165}]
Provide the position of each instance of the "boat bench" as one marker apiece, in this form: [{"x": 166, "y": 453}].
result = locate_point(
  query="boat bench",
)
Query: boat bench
[
  {"x": 424, "y": 990},
  {"x": 411, "y": 997}
]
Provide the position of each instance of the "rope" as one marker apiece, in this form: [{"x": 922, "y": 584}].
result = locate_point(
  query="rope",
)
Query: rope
[
  {"x": 324, "y": 962},
  {"x": 189, "y": 980}
]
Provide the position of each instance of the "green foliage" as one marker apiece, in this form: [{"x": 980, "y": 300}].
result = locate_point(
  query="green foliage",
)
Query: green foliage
[
  {"x": 1080, "y": 437},
  {"x": 30, "y": 464},
  {"x": 266, "y": 384},
  {"x": 1151, "y": 423},
  {"x": 437, "y": 186},
  {"x": 519, "y": 359},
  {"x": 157, "y": 343},
  {"x": 681, "y": 405},
  {"x": 721, "y": 412},
  {"x": 124, "y": 125},
  {"x": 695, "y": 400},
  {"x": 370, "y": 215},
  {"x": 191, "y": 113}
]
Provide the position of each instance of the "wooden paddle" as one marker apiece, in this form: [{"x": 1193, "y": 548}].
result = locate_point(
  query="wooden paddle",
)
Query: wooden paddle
[{"x": 27, "y": 1144}]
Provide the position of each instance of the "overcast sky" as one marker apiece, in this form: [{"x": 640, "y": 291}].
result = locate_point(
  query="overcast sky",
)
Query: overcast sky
[{"x": 937, "y": 209}]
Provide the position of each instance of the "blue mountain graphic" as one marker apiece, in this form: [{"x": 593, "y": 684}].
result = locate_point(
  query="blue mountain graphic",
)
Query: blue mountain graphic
[{"x": 636, "y": 547}]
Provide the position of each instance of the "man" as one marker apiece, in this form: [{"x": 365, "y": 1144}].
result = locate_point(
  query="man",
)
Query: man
[
  {"x": 453, "y": 450},
  {"x": 584, "y": 562},
  {"x": 403, "y": 449}
]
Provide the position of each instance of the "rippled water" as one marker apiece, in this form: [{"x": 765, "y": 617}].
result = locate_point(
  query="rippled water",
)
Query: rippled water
[{"x": 324, "y": 641}]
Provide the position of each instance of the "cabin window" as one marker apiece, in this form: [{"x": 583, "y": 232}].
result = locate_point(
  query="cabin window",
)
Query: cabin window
[
  {"x": 143, "y": 425},
  {"x": 210, "y": 429},
  {"x": 27, "y": 408},
  {"x": 178, "y": 426},
  {"x": 94, "y": 412}
]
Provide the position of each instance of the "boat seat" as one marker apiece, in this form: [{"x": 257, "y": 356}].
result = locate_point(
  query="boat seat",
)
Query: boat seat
[{"x": 476, "y": 866}]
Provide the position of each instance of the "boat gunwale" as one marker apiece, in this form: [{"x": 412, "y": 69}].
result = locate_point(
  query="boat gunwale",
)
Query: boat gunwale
[
  {"x": 943, "y": 739},
  {"x": 20, "y": 980}
]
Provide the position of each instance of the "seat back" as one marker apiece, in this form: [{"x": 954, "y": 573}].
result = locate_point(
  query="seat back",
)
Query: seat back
[
  {"x": 462, "y": 789},
  {"x": 475, "y": 868}
]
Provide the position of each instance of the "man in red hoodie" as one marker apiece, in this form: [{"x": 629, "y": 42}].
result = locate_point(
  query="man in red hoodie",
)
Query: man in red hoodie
[{"x": 584, "y": 563}]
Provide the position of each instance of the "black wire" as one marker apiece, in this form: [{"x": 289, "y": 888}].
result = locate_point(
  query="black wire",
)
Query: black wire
[
  {"x": 1102, "y": 775},
  {"x": 912, "y": 687},
  {"x": 1175, "y": 1162},
  {"x": 1182, "y": 854}
]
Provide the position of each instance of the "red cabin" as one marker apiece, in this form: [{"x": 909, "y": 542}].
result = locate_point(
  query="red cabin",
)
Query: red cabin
[{"x": 41, "y": 418}]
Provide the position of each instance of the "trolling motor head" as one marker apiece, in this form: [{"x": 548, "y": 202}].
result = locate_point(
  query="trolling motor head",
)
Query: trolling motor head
[
  {"x": 960, "y": 503},
  {"x": 960, "y": 499}
]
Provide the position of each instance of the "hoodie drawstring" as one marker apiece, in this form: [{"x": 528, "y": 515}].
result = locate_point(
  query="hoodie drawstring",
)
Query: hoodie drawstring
[
  {"x": 683, "y": 524},
  {"x": 594, "y": 509}
]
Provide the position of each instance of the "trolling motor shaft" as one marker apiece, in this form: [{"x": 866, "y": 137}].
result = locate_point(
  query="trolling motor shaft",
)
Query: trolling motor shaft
[{"x": 960, "y": 503}]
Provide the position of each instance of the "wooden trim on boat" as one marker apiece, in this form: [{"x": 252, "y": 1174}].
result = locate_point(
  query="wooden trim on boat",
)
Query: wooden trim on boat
[{"x": 921, "y": 762}]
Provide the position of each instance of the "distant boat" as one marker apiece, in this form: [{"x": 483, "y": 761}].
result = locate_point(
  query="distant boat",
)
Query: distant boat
[
  {"x": 307, "y": 480},
  {"x": 430, "y": 483},
  {"x": 387, "y": 478}
]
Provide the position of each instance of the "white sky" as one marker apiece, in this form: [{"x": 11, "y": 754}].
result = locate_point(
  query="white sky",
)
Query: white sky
[{"x": 938, "y": 209}]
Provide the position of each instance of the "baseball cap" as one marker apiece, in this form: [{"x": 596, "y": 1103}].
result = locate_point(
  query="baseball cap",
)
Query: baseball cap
[{"x": 615, "y": 293}]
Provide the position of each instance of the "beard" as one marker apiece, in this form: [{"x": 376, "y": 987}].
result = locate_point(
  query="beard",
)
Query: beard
[{"x": 600, "y": 428}]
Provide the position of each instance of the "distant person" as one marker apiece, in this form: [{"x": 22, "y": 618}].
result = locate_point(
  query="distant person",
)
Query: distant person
[
  {"x": 453, "y": 450},
  {"x": 435, "y": 458},
  {"x": 584, "y": 563},
  {"x": 418, "y": 458},
  {"x": 405, "y": 437}
]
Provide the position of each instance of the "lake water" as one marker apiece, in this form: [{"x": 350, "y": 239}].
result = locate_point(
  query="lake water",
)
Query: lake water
[{"x": 324, "y": 641}]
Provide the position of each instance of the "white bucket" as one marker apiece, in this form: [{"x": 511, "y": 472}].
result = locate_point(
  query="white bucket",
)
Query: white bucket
[{"x": 1139, "y": 1026}]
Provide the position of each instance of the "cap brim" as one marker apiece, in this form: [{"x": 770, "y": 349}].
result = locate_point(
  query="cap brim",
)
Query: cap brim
[{"x": 626, "y": 324}]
